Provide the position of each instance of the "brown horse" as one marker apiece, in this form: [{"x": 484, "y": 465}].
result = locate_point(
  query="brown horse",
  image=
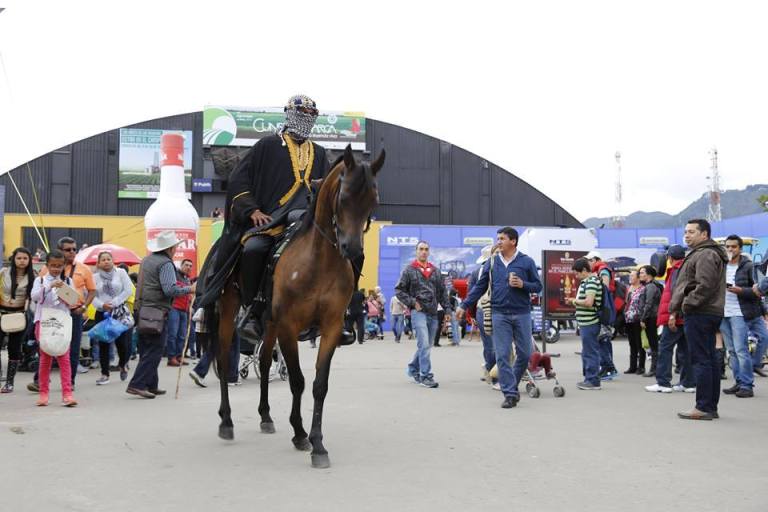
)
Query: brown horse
[{"x": 313, "y": 284}]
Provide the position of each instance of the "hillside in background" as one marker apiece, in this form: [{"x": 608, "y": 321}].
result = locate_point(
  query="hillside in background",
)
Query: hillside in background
[{"x": 734, "y": 203}]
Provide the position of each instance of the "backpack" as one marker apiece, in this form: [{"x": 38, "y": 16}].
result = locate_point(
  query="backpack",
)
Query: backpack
[{"x": 607, "y": 310}]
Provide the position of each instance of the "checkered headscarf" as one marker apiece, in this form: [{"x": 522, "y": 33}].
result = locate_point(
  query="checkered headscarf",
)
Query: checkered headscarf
[{"x": 297, "y": 122}]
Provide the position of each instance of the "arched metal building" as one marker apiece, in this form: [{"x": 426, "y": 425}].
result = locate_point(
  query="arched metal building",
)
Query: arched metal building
[{"x": 424, "y": 181}]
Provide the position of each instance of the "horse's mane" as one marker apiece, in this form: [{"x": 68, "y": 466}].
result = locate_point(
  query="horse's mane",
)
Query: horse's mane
[{"x": 309, "y": 217}]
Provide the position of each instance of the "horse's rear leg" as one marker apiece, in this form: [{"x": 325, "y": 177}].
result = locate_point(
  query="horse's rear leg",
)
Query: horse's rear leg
[
  {"x": 228, "y": 305},
  {"x": 331, "y": 335},
  {"x": 265, "y": 363},
  {"x": 290, "y": 349}
]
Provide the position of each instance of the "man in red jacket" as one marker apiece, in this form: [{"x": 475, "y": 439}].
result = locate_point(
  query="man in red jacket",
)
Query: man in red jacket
[
  {"x": 672, "y": 334},
  {"x": 176, "y": 330}
]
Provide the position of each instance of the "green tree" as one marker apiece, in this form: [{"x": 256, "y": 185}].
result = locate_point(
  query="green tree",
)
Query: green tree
[{"x": 763, "y": 200}]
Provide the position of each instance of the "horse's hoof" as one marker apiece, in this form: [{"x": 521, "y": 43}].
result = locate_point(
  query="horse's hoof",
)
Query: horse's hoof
[
  {"x": 321, "y": 461},
  {"x": 227, "y": 433},
  {"x": 267, "y": 427},
  {"x": 302, "y": 444}
]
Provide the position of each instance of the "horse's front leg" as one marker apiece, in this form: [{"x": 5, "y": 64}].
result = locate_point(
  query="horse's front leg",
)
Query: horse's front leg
[
  {"x": 228, "y": 305},
  {"x": 331, "y": 336},
  {"x": 265, "y": 362},
  {"x": 290, "y": 349}
]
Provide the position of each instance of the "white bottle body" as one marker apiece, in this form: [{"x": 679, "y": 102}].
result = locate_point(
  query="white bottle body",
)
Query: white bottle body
[{"x": 172, "y": 210}]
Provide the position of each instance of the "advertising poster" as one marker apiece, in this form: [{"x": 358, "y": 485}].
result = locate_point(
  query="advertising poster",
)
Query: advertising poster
[
  {"x": 139, "y": 167},
  {"x": 230, "y": 126},
  {"x": 560, "y": 283},
  {"x": 186, "y": 250}
]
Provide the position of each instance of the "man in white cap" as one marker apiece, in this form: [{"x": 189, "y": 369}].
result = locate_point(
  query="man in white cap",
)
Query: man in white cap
[
  {"x": 489, "y": 355},
  {"x": 156, "y": 289}
]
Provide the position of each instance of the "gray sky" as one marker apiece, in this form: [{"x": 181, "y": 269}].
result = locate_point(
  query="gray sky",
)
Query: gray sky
[{"x": 548, "y": 90}]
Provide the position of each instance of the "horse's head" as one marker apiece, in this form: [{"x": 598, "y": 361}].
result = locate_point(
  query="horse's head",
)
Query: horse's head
[{"x": 357, "y": 197}]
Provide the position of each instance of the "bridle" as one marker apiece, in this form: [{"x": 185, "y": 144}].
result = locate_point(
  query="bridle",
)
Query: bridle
[{"x": 337, "y": 232}]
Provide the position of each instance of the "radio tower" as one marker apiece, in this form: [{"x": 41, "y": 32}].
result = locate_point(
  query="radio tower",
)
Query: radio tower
[
  {"x": 715, "y": 214},
  {"x": 618, "y": 220}
]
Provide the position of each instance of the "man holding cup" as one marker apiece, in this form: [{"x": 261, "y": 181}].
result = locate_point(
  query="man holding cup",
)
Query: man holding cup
[{"x": 512, "y": 277}]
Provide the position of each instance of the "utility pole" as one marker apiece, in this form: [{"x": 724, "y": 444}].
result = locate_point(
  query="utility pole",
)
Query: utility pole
[
  {"x": 618, "y": 220},
  {"x": 715, "y": 213}
]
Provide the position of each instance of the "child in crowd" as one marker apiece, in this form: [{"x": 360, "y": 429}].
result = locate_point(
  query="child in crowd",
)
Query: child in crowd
[
  {"x": 44, "y": 295},
  {"x": 540, "y": 360}
]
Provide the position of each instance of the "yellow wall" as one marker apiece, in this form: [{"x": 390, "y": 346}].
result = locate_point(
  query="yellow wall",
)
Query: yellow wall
[
  {"x": 124, "y": 231},
  {"x": 129, "y": 232},
  {"x": 370, "y": 278}
]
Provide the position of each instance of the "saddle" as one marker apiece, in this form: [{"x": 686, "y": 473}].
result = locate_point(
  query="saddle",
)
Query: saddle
[{"x": 260, "y": 310}]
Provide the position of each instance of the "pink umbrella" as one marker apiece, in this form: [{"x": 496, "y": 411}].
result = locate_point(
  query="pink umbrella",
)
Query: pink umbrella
[{"x": 89, "y": 255}]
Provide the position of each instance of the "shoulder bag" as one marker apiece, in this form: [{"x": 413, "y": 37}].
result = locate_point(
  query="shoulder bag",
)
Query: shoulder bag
[{"x": 485, "y": 302}]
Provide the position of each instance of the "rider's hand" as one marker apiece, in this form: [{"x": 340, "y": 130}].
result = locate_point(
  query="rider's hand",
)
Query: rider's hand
[
  {"x": 259, "y": 218},
  {"x": 57, "y": 284}
]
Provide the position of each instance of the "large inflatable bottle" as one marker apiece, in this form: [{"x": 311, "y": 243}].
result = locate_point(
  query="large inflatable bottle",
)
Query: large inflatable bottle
[{"x": 172, "y": 210}]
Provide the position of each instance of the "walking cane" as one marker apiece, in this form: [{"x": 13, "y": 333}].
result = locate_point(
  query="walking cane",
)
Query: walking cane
[{"x": 184, "y": 350}]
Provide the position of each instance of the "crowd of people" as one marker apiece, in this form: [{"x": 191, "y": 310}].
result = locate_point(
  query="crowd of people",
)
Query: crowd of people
[
  {"x": 691, "y": 315},
  {"x": 97, "y": 293}
]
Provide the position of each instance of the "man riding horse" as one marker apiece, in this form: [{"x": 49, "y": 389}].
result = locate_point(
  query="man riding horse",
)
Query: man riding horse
[{"x": 267, "y": 191}]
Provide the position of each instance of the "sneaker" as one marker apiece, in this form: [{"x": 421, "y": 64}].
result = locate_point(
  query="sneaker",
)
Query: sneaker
[
  {"x": 608, "y": 375},
  {"x": 728, "y": 391},
  {"x": 173, "y": 362},
  {"x": 679, "y": 388},
  {"x": 428, "y": 382},
  {"x": 415, "y": 376},
  {"x": 123, "y": 373},
  {"x": 197, "y": 379},
  {"x": 655, "y": 388},
  {"x": 509, "y": 402},
  {"x": 745, "y": 393},
  {"x": 551, "y": 374},
  {"x": 94, "y": 365},
  {"x": 103, "y": 380},
  {"x": 496, "y": 386},
  {"x": 69, "y": 401},
  {"x": 34, "y": 387},
  {"x": 588, "y": 386},
  {"x": 42, "y": 401},
  {"x": 82, "y": 369},
  {"x": 238, "y": 382}
]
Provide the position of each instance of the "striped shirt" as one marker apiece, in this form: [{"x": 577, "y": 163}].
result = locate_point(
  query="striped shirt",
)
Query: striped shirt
[{"x": 589, "y": 315}]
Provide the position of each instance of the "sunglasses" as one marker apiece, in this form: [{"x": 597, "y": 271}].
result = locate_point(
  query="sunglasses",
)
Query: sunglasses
[{"x": 308, "y": 110}]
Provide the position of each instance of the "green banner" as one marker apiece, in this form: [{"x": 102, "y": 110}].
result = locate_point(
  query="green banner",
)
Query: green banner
[
  {"x": 228, "y": 126},
  {"x": 139, "y": 164}
]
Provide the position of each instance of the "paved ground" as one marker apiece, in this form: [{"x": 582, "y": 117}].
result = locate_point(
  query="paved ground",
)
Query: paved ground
[{"x": 393, "y": 445}]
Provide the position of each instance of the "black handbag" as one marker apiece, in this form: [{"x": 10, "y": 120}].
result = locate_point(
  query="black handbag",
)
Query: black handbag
[{"x": 151, "y": 320}]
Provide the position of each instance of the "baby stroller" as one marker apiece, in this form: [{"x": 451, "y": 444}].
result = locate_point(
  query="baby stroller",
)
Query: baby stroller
[
  {"x": 251, "y": 356},
  {"x": 540, "y": 368}
]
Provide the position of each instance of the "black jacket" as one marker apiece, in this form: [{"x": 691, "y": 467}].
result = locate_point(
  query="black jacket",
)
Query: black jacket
[
  {"x": 414, "y": 287},
  {"x": 357, "y": 304},
  {"x": 751, "y": 305}
]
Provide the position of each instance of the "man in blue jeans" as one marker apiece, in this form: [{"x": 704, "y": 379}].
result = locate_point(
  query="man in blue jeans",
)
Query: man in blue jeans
[
  {"x": 421, "y": 288},
  {"x": 588, "y": 302},
  {"x": 512, "y": 277},
  {"x": 178, "y": 318},
  {"x": 743, "y": 313},
  {"x": 699, "y": 295}
]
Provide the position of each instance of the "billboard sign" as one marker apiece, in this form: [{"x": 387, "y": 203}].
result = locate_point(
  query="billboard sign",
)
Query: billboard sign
[
  {"x": 139, "y": 163},
  {"x": 560, "y": 283},
  {"x": 235, "y": 126}
]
